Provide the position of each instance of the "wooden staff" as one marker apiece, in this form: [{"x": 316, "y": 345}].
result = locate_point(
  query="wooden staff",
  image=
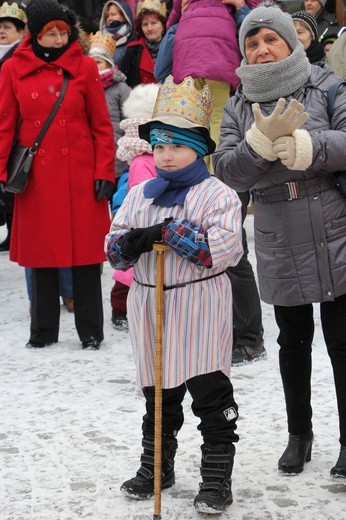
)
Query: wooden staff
[{"x": 160, "y": 250}]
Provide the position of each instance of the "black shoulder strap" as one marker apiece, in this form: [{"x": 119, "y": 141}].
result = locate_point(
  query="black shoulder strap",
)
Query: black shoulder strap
[
  {"x": 51, "y": 115},
  {"x": 331, "y": 97}
]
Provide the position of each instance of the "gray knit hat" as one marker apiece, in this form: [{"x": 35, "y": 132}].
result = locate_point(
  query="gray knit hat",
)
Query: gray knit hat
[{"x": 270, "y": 16}]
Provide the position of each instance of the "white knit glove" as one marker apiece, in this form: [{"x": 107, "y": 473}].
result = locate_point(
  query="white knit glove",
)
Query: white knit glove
[
  {"x": 295, "y": 151},
  {"x": 280, "y": 123}
]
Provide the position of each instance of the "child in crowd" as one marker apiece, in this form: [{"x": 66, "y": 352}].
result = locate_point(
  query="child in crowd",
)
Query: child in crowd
[
  {"x": 117, "y": 20},
  {"x": 199, "y": 218},
  {"x": 138, "y": 109},
  {"x": 102, "y": 47}
]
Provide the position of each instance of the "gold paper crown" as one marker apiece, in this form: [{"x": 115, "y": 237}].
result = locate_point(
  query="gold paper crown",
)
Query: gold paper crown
[
  {"x": 103, "y": 43},
  {"x": 12, "y": 11},
  {"x": 152, "y": 5},
  {"x": 184, "y": 100}
]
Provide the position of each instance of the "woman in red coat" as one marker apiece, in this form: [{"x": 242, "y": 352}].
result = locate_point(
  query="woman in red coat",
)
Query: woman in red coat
[
  {"x": 140, "y": 56},
  {"x": 61, "y": 218}
]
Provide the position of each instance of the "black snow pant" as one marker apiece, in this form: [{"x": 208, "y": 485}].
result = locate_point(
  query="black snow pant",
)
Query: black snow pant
[{"x": 213, "y": 403}]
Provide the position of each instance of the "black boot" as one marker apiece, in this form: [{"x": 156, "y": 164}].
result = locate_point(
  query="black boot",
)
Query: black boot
[
  {"x": 141, "y": 486},
  {"x": 339, "y": 470},
  {"x": 215, "y": 492},
  {"x": 298, "y": 452}
]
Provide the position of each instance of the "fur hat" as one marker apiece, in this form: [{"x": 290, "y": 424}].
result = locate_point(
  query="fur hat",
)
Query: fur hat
[
  {"x": 269, "y": 15},
  {"x": 141, "y": 101},
  {"x": 138, "y": 109},
  {"x": 308, "y": 20},
  {"x": 40, "y": 12}
]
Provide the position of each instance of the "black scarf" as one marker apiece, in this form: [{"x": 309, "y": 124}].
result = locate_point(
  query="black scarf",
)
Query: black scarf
[
  {"x": 49, "y": 54},
  {"x": 315, "y": 52}
]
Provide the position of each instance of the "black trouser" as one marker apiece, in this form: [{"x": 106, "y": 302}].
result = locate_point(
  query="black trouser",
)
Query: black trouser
[
  {"x": 213, "y": 403},
  {"x": 247, "y": 312},
  {"x": 296, "y": 326},
  {"x": 87, "y": 301}
]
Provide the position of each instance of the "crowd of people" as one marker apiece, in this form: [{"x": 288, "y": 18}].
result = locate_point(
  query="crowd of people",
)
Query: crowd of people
[{"x": 176, "y": 116}]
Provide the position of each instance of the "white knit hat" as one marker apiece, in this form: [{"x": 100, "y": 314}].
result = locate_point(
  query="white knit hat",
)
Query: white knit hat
[{"x": 138, "y": 109}]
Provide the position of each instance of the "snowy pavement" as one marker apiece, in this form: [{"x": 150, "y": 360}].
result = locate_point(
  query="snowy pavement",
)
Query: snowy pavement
[{"x": 70, "y": 428}]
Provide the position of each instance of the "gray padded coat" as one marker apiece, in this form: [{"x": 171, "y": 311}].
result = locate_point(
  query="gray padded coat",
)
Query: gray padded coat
[{"x": 300, "y": 244}]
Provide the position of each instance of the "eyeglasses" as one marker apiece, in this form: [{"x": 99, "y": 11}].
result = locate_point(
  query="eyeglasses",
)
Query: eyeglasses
[{"x": 55, "y": 35}]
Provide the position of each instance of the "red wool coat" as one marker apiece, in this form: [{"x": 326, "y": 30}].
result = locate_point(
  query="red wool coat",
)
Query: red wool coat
[{"x": 57, "y": 220}]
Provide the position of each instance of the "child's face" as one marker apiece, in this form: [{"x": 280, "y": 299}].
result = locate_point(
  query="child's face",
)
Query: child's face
[
  {"x": 114, "y": 14},
  {"x": 327, "y": 47},
  {"x": 101, "y": 63},
  {"x": 172, "y": 157}
]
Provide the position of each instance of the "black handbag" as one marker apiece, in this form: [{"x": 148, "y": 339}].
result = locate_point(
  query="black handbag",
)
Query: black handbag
[
  {"x": 21, "y": 157},
  {"x": 339, "y": 178}
]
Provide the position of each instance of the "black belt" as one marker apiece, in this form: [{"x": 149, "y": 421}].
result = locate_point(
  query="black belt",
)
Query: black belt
[
  {"x": 178, "y": 285},
  {"x": 294, "y": 190}
]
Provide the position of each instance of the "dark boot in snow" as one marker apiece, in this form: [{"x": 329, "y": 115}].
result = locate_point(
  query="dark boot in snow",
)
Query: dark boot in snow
[
  {"x": 339, "y": 470},
  {"x": 141, "y": 486},
  {"x": 215, "y": 492}
]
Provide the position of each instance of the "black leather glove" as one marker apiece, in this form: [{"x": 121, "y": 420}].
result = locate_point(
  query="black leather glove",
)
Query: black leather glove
[
  {"x": 141, "y": 240},
  {"x": 103, "y": 188}
]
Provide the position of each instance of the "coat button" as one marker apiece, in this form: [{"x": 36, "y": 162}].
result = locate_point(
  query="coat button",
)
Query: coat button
[
  {"x": 40, "y": 152},
  {"x": 329, "y": 293},
  {"x": 59, "y": 72},
  {"x": 316, "y": 197},
  {"x": 34, "y": 95},
  {"x": 322, "y": 244},
  {"x": 57, "y": 94},
  {"x": 62, "y": 122},
  {"x": 37, "y": 124},
  {"x": 64, "y": 151}
]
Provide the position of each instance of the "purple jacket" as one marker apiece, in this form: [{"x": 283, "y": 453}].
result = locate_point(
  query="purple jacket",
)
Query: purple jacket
[{"x": 205, "y": 44}]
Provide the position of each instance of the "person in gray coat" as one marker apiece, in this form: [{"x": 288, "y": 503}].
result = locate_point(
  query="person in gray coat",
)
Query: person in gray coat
[{"x": 277, "y": 138}]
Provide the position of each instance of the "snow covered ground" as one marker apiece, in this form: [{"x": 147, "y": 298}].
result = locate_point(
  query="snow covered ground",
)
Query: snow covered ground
[{"x": 70, "y": 428}]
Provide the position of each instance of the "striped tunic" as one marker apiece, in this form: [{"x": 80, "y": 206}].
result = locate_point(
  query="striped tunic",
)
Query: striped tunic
[{"x": 197, "y": 333}]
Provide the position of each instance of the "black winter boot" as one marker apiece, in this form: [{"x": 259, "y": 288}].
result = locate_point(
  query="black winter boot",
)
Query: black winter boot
[
  {"x": 339, "y": 470},
  {"x": 141, "y": 486},
  {"x": 298, "y": 452},
  {"x": 215, "y": 492}
]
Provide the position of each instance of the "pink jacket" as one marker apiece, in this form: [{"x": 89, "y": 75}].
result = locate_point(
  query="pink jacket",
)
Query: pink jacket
[
  {"x": 205, "y": 44},
  {"x": 141, "y": 169}
]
